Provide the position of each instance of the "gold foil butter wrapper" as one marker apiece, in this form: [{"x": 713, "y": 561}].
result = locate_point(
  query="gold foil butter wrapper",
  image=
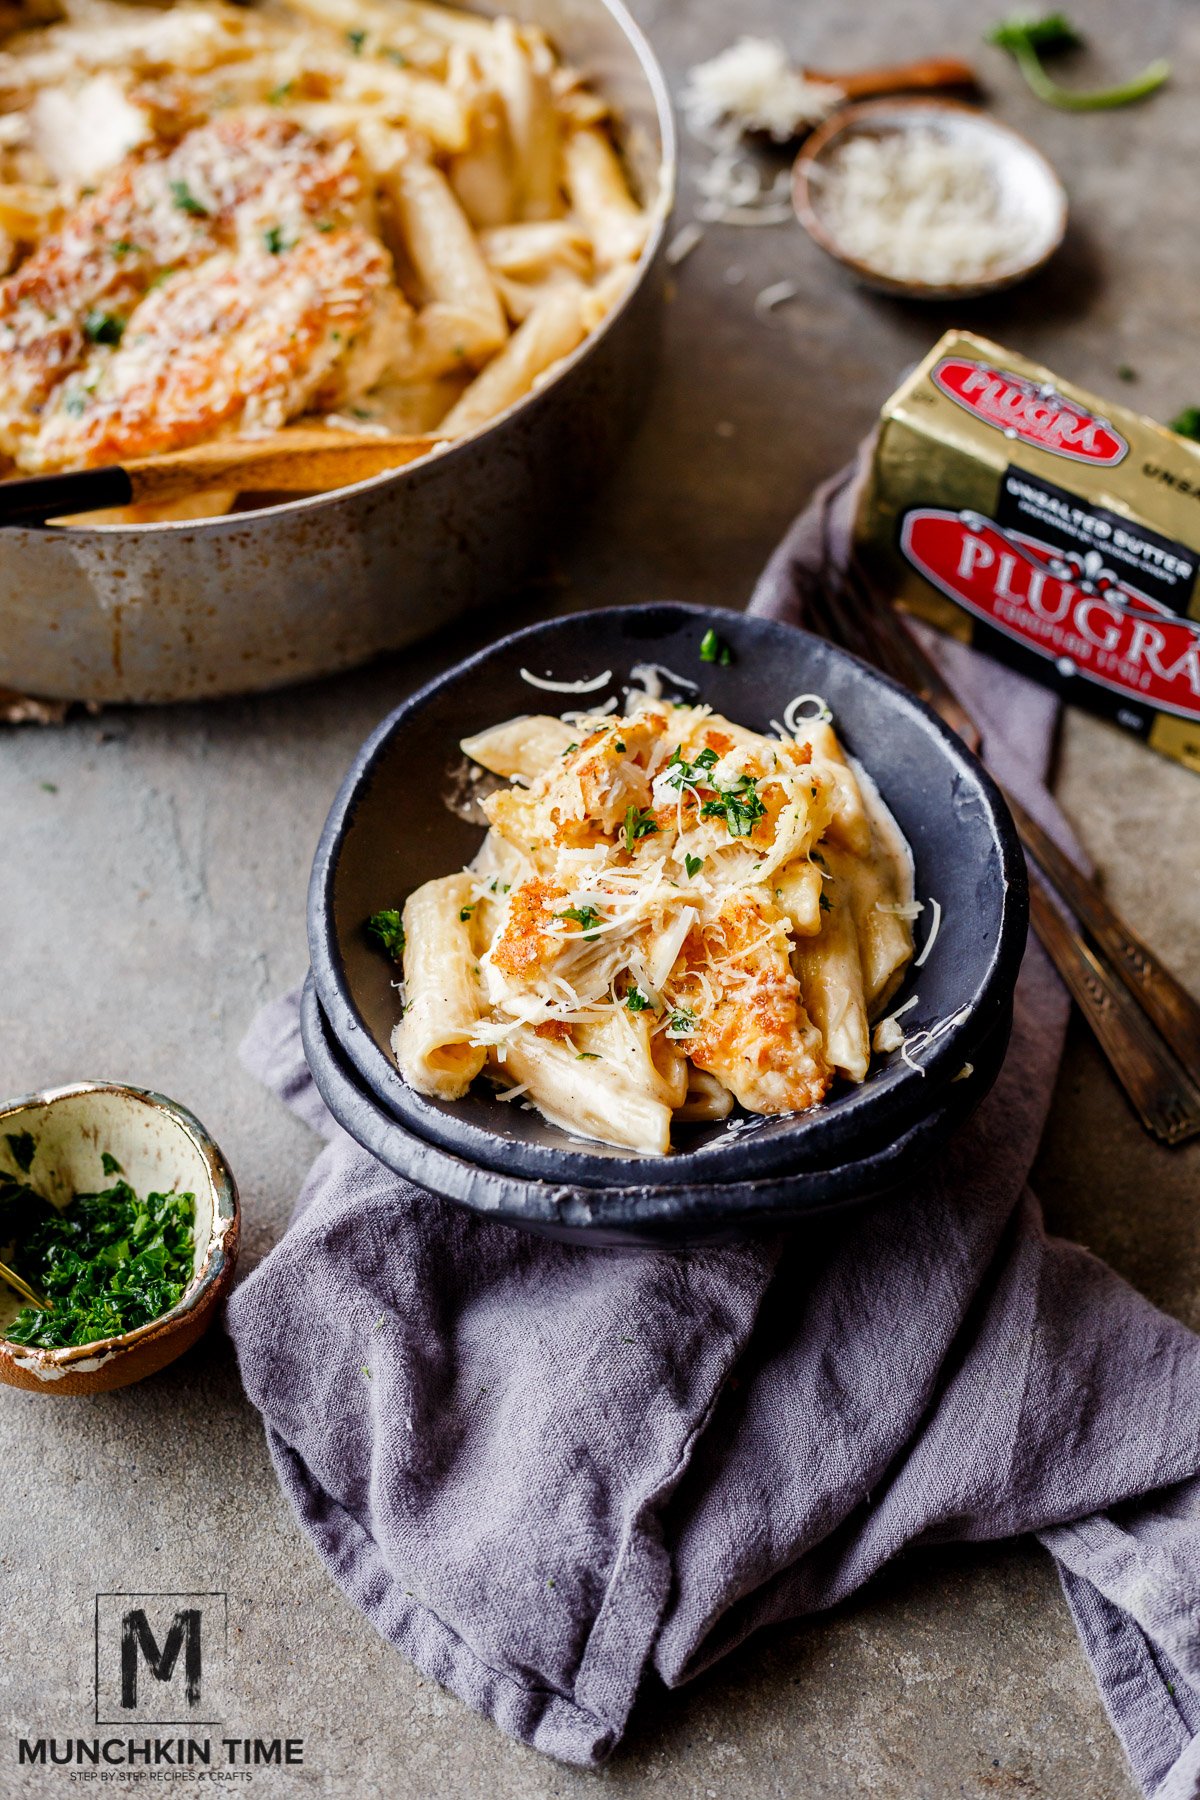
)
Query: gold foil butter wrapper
[{"x": 1060, "y": 535}]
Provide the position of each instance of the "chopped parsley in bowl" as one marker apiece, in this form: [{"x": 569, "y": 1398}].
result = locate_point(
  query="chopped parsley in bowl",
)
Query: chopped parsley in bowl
[
  {"x": 119, "y": 1217},
  {"x": 104, "y": 1264}
]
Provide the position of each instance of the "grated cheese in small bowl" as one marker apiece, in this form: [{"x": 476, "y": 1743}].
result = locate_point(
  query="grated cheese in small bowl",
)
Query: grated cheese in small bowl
[{"x": 944, "y": 207}]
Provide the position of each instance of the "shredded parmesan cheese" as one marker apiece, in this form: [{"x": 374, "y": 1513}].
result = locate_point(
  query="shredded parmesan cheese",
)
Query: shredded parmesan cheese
[
  {"x": 753, "y": 87},
  {"x": 933, "y": 931},
  {"x": 778, "y": 293},
  {"x": 918, "y": 207},
  {"x": 567, "y": 687}
]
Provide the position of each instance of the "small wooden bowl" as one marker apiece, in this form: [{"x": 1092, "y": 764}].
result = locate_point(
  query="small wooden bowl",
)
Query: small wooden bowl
[
  {"x": 1023, "y": 174},
  {"x": 159, "y": 1146}
]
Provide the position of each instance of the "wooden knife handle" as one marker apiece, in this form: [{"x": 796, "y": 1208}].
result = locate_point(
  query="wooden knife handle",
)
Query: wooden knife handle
[{"x": 930, "y": 73}]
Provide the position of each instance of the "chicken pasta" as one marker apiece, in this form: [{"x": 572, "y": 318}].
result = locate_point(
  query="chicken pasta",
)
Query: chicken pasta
[
  {"x": 670, "y": 914},
  {"x": 216, "y": 219}
]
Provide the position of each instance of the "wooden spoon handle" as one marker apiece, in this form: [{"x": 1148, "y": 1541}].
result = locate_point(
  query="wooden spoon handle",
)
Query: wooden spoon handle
[{"x": 931, "y": 72}]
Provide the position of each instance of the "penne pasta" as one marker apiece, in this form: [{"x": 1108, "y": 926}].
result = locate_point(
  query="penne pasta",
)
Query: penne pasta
[
  {"x": 433, "y": 1042},
  {"x": 553, "y": 329},
  {"x": 601, "y": 199},
  {"x": 523, "y": 748},
  {"x": 588, "y": 1096},
  {"x": 444, "y": 217}
]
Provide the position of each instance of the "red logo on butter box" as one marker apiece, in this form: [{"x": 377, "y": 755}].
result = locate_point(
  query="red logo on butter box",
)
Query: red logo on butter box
[
  {"x": 1066, "y": 607},
  {"x": 1030, "y": 411}
]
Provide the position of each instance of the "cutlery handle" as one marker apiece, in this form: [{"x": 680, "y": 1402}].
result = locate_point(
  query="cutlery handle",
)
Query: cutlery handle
[
  {"x": 929, "y": 74},
  {"x": 1165, "y": 1097},
  {"x": 1164, "y": 999}
]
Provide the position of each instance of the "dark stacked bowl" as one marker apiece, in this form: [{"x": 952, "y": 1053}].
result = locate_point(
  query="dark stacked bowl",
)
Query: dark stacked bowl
[{"x": 399, "y": 821}]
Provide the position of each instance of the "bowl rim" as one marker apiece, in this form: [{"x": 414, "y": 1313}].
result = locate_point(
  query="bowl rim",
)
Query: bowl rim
[
  {"x": 226, "y": 1211},
  {"x": 845, "y": 122},
  {"x": 643, "y": 1214},
  {"x": 661, "y": 212},
  {"x": 564, "y": 1163}
]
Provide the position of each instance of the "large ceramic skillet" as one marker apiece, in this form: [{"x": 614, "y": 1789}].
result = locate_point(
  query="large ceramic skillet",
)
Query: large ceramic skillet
[{"x": 398, "y": 821}]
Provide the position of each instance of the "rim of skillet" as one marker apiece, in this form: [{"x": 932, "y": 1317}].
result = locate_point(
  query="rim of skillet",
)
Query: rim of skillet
[{"x": 894, "y": 1093}]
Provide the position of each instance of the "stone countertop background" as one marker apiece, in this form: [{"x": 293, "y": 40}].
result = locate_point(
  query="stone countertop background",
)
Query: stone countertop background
[{"x": 152, "y": 887}]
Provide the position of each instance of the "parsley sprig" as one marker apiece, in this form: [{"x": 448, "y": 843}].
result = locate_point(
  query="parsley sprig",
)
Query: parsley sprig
[
  {"x": 1029, "y": 39},
  {"x": 681, "y": 773},
  {"x": 739, "y": 806},
  {"x": 639, "y": 823},
  {"x": 586, "y": 917},
  {"x": 385, "y": 927}
]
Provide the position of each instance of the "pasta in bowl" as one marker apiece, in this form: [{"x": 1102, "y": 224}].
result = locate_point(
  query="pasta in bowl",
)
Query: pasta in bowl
[
  {"x": 669, "y": 913},
  {"x": 413, "y": 814}
]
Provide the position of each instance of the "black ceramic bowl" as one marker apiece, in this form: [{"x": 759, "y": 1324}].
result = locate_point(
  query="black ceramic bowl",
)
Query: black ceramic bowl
[
  {"x": 676, "y": 1215},
  {"x": 398, "y": 821}
]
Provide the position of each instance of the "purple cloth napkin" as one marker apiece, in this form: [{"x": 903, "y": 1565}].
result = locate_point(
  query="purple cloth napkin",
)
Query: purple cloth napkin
[{"x": 549, "y": 1475}]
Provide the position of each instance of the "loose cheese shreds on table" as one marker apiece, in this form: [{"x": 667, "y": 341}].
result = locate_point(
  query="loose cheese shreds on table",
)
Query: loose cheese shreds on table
[
  {"x": 919, "y": 208},
  {"x": 754, "y": 86}
]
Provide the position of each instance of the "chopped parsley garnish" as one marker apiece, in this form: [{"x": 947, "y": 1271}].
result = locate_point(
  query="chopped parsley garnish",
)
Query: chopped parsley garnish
[
  {"x": 681, "y": 773},
  {"x": 570, "y": 749},
  {"x": 1028, "y": 40},
  {"x": 683, "y": 1020},
  {"x": 639, "y": 823},
  {"x": 278, "y": 95},
  {"x": 588, "y": 1056},
  {"x": 1187, "y": 423},
  {"x": 23, "y": 1146},
  {"x": 465, "y": 912},
  {"x": 386, "y": 929},
  {"x": 74, "y": 404},
  {"x": 107, "y": 1263},
  {"x": 103, "y": 327},
  {"x": 739, "y": 806},
  {"x": 163, "y": 276},
  {"x": 586, "y": 917},
  {"x": 186, "y": 201},
  {"x": 325, "y": 225},
  {"x": 1126, "y": 372},
  {"x": 714, "y": 649},
  {"x": 123, "y": 247},
  {"x": 619, "y": 747},
  {"x": 636, "y": 1001},
  {"x": 693, "y": 865},
  {"x": 398, "y": 57},
  {"x": 356, "y": 40},
  {"x": 110, "y": 1165},
  {"x": 275, "y": 241}
]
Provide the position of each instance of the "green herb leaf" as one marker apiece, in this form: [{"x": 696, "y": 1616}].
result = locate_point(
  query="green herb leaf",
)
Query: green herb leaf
[
  {"x": 186, "y": 201},
  {"x": 636, "y": 1001},
  {"x": 588, "y": 1056},
  {"x": 1028, "y": 40},
  {"x": 739, "y": 806},
  {"x": 681, "y": 773},
  {"x": 1187, "y": 423},
  {"x": 570, "y": 749},
  {"x": 385, "y": 927},
  {"x": 682, "y": 1021},
  {"x": 693, "y": 865},
  {"x": 275, "y": 241},
  {"x": 103, "y": 327},
  {"x": 639, "y": 823},
  {"x": 465, "y": 912},
  {"x": 109, "y": 1164},
  {"x": 279, "y": 94},
  {"x": 24, "y": 1147},
  {"x": 123, "y": 247},
  {"x": 584, "y": 916},
  {"x": 356, "y": 40}
]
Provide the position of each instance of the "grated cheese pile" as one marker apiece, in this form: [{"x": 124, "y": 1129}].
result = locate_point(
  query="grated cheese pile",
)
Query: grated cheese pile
[
  {"x": 918, "y": 208},
  {"x": 754, "y": 86}
]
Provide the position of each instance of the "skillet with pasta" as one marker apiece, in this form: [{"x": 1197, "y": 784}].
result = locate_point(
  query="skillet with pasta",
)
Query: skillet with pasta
[{"x": 215, "y": 220}]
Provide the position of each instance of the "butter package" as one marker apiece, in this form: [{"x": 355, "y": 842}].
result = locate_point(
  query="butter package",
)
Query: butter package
[{"x": 1063, "y": 537}]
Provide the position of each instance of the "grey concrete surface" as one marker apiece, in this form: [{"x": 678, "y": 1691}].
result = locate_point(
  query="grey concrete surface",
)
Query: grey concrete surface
[{"x": 152, "y": 878}]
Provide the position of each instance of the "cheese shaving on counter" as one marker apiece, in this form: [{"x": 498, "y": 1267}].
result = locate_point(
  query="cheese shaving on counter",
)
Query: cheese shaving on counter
[
  {"x": 917, "y": 207},
  {"x": 754, "y": 87}
]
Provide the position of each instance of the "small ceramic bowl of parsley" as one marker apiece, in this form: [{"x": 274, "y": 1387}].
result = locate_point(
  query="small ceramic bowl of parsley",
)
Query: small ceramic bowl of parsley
[{"x": 120, "y": 1217}]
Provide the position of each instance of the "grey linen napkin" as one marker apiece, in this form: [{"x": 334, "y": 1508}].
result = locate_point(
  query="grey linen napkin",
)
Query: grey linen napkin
[{"x": 551, "y": 1475}]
